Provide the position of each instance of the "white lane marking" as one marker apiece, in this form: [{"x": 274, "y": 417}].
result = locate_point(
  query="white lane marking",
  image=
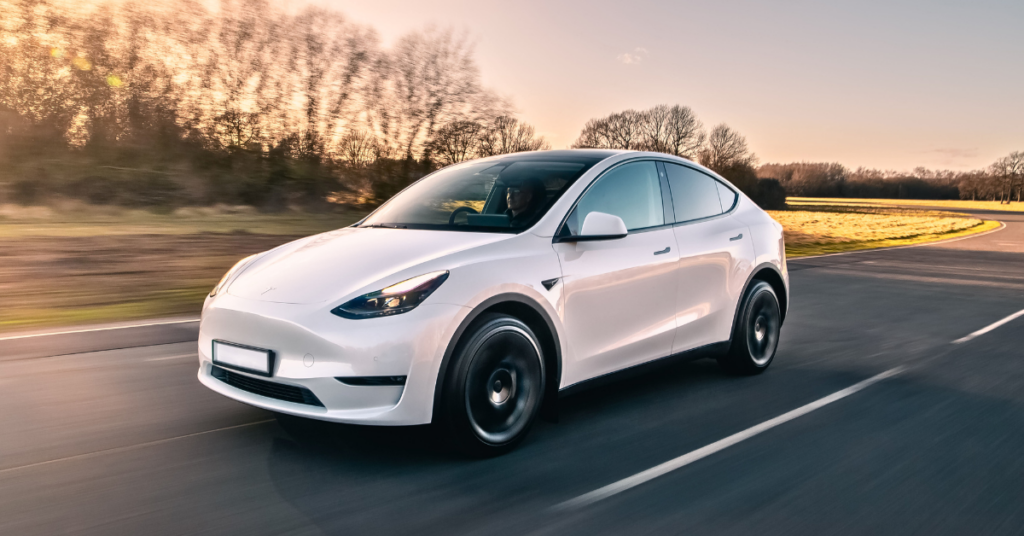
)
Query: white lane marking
[
  {"x": 937, "y": 242},
  {"x": 703, "y": 452},
  {"x": 193, "y": 356},
  {"x": 130, "y": 447},
  {"x": 990, "y": 327},
  {"x": 98, "y": 329}
]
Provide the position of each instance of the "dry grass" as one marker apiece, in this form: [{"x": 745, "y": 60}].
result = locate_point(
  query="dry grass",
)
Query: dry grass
[
  {"x": 953, "y": 204},
  {"x": 73, "y": 219},
  {"x": 822, "y": 228},
  {"x": 80, "y": 265}
]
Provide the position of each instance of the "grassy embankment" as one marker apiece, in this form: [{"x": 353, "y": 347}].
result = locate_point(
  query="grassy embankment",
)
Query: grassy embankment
[
  {"x": 79, "y": 264},
  {"x": 956, "y": 204},
  {"x": 815, "y": 226}
]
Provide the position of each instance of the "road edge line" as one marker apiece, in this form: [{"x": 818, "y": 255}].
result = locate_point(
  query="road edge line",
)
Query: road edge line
[
  {"x": 722, "y": 444},
  {"x": 91, "y": 330}
]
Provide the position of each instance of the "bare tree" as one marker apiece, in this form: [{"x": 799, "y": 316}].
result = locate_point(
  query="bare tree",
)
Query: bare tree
[
  {"x": 726, "y": 148},
  {"x": 506, "y": 135},
  {"x": 626, "y": 129},
  {"x": 1011, "y": 170},
  {"x": 240, "y": 89},
  {"x": 429, "y": 79},
  {"x": 456, "y": 142},
  {"x": 357, "y": 148},
  {"x": 674, "y": 130},
  {"x": 329, "y": 60},
  {"x": 623, "y": 130},
  {"x": 594, "y": 135}
]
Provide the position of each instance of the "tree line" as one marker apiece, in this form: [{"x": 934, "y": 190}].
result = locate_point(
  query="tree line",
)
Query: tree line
[
  {"x": 1002, "y": 181},
  {"x": 676, "y": 130},
  {"x": 166, "y": 103},
  {"x": 174, "y": 102}
]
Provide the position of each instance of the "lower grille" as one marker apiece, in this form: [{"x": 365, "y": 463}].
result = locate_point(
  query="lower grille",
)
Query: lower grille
[{"x": 288, "y": 393}]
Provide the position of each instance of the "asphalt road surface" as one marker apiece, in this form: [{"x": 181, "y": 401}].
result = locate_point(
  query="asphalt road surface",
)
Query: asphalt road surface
[{"x": 127, "y": 441}]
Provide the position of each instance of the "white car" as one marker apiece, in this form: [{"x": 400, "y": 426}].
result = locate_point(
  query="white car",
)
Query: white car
[{"x": 481, "y": 292}]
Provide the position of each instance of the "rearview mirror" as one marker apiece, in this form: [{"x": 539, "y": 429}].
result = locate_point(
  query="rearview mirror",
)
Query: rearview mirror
[{"x": 600, "y": 226}]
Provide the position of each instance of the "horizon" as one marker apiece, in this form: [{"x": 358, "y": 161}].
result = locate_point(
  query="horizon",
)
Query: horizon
[{"x": 783, "y": 79}]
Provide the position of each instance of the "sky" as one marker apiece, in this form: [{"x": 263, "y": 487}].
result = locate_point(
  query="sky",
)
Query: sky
[{"x": 890, "y": 85}]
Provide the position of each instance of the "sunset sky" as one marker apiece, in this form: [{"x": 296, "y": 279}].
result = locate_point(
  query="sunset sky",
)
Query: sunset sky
[{"x": 885, "y": 84}]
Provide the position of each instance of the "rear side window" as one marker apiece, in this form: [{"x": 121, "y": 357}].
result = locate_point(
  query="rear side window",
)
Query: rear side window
[
  {"x": 726, "y": 196},
  {"x": 631, "y": 192},
  {"x": 694, "y": 194}
]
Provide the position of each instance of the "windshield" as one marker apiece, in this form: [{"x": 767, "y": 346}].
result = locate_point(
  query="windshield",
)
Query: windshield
[{"x": 498, "y": 196}]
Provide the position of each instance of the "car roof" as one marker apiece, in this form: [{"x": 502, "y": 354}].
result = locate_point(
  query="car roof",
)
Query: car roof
[{"x": 588, "y": 156}]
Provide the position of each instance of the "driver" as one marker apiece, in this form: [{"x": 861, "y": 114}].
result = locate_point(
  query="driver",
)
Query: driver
[{"x": 524, "y": 198}]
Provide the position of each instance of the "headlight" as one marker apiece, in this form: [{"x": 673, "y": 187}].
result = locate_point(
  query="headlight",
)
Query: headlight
[
  {"x": 227, "y": 277},
  {"x": 396, "y": 299}
]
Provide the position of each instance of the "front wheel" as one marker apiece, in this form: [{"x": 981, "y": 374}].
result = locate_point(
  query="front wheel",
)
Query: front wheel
[
  {"x": 756, "y": 333},
  {"x": 495, "y": 386}
]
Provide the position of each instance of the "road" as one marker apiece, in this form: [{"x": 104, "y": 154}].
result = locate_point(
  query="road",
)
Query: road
[{"x": 127, "y": 441}]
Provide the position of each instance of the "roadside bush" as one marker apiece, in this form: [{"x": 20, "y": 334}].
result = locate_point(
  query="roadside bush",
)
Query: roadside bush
[
  {"x": 96, "y": 190},
  {"x": 771, "y": 195},
  {"x": 151, "y": 191},
  {"x": 388, "y": 176},
  {"x": 27, "y": 191},
  {"x": 146, "y": 190}
]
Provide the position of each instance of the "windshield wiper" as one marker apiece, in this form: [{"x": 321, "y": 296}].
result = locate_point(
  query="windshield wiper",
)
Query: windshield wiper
[{"x": 383, "y": 226}]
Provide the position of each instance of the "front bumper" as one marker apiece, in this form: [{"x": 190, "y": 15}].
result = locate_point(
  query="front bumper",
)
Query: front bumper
[{"x": 313, "y": 347}]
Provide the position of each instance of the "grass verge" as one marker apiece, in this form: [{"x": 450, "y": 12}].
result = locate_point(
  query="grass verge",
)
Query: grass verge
[
  {"x": 80, "y": 265},
  {"x": 808, "y": 249},
  {"x": 946, "y": 203}
]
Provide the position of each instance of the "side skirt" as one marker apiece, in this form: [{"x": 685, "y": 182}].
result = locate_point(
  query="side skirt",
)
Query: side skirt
[{"x": 710, "y": 350}]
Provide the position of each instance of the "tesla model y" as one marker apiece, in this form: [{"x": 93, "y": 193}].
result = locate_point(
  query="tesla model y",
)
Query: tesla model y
[{"x": 476, "y": 295}]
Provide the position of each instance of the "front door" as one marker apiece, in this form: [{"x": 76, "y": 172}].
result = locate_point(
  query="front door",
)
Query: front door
[{"x": 619, "y": 295}]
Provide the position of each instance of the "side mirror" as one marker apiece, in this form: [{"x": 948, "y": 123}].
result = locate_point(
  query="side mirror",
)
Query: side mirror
[{"x": 600, "y": 226}]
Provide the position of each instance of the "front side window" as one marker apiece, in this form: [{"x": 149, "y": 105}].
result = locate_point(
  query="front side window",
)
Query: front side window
[
  {"x": 505, "y": 196},
  {"x": 694, "y": 194},
  {"x": 631, "y": 191}
]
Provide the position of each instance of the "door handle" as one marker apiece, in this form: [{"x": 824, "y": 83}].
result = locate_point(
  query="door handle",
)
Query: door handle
[
  {"x": 662, "y": 252},
  {"x": 737, "y": 237}
]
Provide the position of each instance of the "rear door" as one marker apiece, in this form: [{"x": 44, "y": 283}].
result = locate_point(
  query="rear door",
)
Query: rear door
[
  {"x": 619, "y": 296},
  {"x": 715, "y": 255}
]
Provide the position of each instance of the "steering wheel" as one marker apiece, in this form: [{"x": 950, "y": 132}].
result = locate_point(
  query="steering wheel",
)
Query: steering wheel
[{"x": 460, "y": 210}]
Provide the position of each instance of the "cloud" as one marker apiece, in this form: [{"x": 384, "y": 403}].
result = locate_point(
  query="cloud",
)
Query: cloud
[
  {"x": 953, "y": 158},
  {"x": 636, "y": 56},
  {"x": 956, "y": 153}
]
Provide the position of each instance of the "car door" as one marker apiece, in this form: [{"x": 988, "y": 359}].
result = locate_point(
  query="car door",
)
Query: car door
[
  {"x": 619, "y": 295},
  {"x": 715, "y": 255}
]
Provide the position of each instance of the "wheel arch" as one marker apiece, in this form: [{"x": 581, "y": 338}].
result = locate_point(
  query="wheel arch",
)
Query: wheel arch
[
  {"x": 769, "y": 273},
  {"x": 530, "y": 313}
]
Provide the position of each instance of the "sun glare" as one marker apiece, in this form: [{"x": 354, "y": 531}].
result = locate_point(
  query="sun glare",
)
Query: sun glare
[{"x": 82, "y": 64}]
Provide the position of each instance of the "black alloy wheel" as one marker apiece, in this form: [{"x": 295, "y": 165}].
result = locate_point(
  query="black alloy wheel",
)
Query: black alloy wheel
[
  {"x": 755, "y": 336},
  {"x": 495, "y": 386}
]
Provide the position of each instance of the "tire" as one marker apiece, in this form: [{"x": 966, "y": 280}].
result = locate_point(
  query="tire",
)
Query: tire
[
  {"x": 494, "y": 388},
  {"x": 755, "y": 337}
]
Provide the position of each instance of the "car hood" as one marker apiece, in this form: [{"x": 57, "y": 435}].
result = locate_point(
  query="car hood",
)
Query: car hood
[{"x": 332, "y": 265}]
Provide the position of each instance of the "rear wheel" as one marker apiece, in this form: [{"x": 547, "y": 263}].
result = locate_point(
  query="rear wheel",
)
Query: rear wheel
[
  {"x": 495, "y": 386},
  {"x": 756, "y": 333}
]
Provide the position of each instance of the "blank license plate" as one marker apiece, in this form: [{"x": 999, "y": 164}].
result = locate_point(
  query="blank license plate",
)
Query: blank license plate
[{"x": 242, "y": 357}]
